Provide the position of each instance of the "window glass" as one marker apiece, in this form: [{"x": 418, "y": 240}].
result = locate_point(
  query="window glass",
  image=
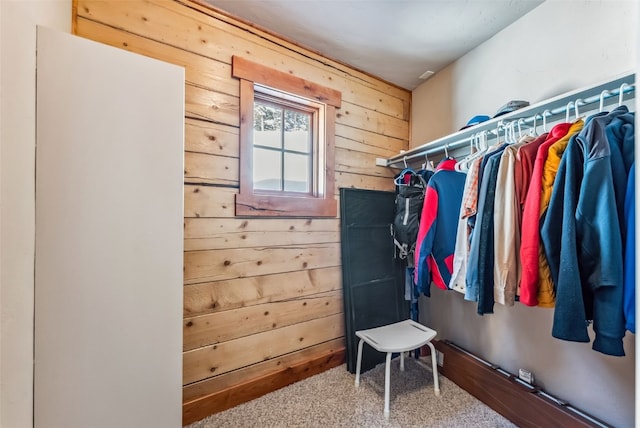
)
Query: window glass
[
  {"x": 297, "y": 128},
  {"x": 283, "y": 145},
  {"x": 267, "y": 169},
  {"x": 267, "y": 125},
  {"x": 297, "y": 173}
]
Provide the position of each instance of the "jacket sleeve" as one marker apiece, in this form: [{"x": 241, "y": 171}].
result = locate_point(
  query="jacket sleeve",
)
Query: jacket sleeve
[
  {"x": 558, "y": 234},
  {"x": 425, "y": 240},
  {"x": 600, "y": 241}
]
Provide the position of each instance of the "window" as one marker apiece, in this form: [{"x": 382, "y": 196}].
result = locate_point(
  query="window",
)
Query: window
[
  {"x": 284, "y": 149},
  {"x": 286, "y": 144}
]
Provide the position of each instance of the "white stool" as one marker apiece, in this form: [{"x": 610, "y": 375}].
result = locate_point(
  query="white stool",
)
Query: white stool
[{"x": 399, "y": 337}]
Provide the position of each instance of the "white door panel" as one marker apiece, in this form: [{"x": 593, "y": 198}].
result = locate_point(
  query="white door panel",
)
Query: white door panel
[{"x": 109, "y": 214}]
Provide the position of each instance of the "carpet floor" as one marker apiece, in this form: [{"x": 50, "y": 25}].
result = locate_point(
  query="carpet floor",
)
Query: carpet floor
[{"x": 330, "y": 399}]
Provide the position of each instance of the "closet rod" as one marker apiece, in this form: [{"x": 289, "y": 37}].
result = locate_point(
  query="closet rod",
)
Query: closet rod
[{"x": 551, "y": 108}]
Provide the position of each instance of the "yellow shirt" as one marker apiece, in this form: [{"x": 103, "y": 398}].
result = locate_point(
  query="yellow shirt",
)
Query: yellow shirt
[{"x": 546, "y": 295}]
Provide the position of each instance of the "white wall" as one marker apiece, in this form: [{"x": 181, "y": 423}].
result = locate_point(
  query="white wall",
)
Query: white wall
[
  {"x": 559, "y": 46},
  {"x": 17, "y": 197}
]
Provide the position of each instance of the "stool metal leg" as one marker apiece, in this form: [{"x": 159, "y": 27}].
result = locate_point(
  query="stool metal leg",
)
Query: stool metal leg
[
  {"x": 434, "y": 364},
  {"x": 387, "y": 383},
  {"x": 401, "y": 361},
  {"x": 358, "y": 362}
]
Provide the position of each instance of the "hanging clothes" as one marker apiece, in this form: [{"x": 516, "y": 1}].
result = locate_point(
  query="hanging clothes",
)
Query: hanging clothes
[
  {"x": 620, "y": 136},
  {"x": 546, "y": 293},
  {"x": 530, "y": 234},
  {"x": 480, "y": 272},
  {"x": 546, "y": 221},
  {"x": 473, "y": 199},
  {"x": 438, "y": 224},
  {"x": 463, "y": 235},
  {"x": 525, "y": 159},
  {"x": 410, "y": 188},
  {"x": 581, "y": 234},
  {"x": 506, "y": 236}
]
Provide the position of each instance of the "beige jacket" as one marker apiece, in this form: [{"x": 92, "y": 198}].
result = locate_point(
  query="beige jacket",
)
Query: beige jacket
[{"x": 506, "y": 231}]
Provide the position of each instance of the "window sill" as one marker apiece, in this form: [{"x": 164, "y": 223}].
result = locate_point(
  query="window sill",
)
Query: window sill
[{"x": 253, "y": 205}]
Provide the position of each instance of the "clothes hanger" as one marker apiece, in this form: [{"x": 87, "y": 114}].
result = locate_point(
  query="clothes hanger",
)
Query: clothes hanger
[
  {"x": 520, "y": 121},
  {"x": 621, "y": 94},
  {"x": 498, "y": 126},
  {"x": 461, "y": 165},
  {"x": 399, "y": 180},
  {"x": 479, "y": 140},
  {"x": 568, "y": 109},
  {"x": 512, "y": 133},
  {"x": 507, "y": 130},
  {"x": 507, "y": 133},
  {"x": 533, "y": 131},
  {"x": 484, "y": 140},
  {"x": 427, "y": 165},
  {"x": 544, "y": 120},
  {"x": 575, "y": 107},
  {"x": 602, "y": 95}
]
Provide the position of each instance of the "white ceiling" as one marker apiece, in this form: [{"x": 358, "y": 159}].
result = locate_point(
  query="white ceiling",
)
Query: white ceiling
[{"x": 397, "y": 40}]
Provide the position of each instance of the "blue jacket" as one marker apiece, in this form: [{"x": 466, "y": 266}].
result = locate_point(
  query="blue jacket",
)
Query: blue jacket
[
  {"x": 581, "y": 234},
  {"x": 438, "y": 227},
  {"x": 630, "y": 254}
]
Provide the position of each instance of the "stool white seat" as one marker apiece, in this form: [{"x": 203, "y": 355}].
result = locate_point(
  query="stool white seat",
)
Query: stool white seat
[{"x": 399, "y": 337}]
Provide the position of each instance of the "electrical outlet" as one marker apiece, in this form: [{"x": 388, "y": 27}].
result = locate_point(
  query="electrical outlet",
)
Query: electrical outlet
[
  {"x": 526, "y": 376},
  {"x": 440, "y": 358}
]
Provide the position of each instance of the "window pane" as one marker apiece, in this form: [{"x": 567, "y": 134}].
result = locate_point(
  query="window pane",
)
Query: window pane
[
  {"x": 296, "y": 173},
  {"x": 297, "y": 131},
  {"x": 267, "y": 125},
  {"x": 267, "y": 169}
]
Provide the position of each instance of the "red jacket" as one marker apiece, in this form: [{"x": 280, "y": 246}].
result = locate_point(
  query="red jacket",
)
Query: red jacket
[{"x": 530, "y": 236}]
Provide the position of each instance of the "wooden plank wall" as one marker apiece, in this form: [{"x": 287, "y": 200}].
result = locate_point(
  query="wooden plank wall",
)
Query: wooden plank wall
[{"x": 260, "y": 295}]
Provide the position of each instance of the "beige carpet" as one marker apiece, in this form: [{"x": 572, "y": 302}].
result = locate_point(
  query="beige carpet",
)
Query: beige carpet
[{"x": 330, "y": 399}]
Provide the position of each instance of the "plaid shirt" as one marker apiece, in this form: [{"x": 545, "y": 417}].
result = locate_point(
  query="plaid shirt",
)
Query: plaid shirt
[{"x": 470, "y": 198}]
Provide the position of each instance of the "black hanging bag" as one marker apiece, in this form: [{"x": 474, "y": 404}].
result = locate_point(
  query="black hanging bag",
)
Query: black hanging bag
[{"x": 410, "y": 190}]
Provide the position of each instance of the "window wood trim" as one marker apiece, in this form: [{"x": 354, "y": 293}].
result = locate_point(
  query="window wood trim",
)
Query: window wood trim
[
  {"x": 244, "y": 69},
  {"x": 250, "y": 204}
]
